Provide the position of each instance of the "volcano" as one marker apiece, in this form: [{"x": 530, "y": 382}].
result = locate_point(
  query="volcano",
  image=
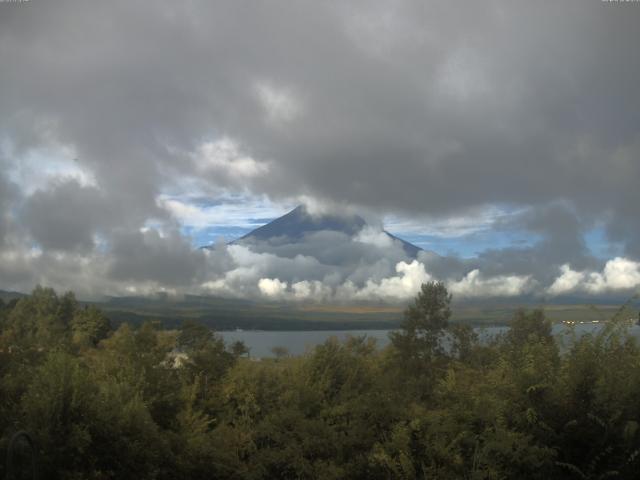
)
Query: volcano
[{"x": 298, "y": 224}]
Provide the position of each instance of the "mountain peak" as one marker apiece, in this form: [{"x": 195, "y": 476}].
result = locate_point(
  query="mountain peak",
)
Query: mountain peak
[{"x": 298, "y": 223}]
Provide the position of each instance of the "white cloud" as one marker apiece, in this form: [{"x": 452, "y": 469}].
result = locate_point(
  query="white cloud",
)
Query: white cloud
[
  {"x": 36, "y": 168},
  {"x": 314, "y": 291},
  {"x": 186, "y": 213},
  {"x": 568, "y": 281},
  {"x": 226, "y": 155},
  {"x": 272, "y": 287},
  {"x": 476, "y": 220},
  {"x": 244, "y": 212},
  {"x": 474, "y": 285},
  {"x": 401, "y": 286},
  {"x": 618, "y": 274},
  {"x": 374, "y": 236},
  {"x": 86, "y": 274},
  {"x": 410, "y": 276},
  {"x": 301, "y": 290},
  {"x": 238, "y": 271}
]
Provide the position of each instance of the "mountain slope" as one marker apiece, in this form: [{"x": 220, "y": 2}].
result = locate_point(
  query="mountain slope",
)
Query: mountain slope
[
  {"x": 297, "y": 223},
  {"x": 294, "y": 225}
]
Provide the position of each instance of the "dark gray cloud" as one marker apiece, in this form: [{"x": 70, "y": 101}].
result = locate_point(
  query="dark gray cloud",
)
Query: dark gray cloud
[
  {"x": 7, "y": 193},
  {"x": 559, "y": 234},
  {"x": 66, "y": 216},
  {"x": 421, "y": 108},
  {"x": 147, "y": 256},
  {"x": 335, "y": 249}
]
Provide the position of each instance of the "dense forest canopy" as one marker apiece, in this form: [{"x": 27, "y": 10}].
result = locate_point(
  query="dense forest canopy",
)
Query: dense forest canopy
[{"x": 147, "y": 403}]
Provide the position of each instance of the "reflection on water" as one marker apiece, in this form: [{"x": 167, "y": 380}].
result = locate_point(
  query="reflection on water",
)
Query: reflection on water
[{"x": 261, "y": 343}]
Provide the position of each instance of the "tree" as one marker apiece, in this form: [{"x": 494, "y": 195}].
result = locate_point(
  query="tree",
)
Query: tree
[
  {"x": 239, "y": 348},
  {"x": 424, "y": 322},
  {"x": 529, "y": 327},
  {"x": 193, "y": 336},
  {"x": 208, "y": 356},
  {"x": 280, "y": 352},
  {"x": 55, "y": 408},
  {"x": 40, "y": 320},
  {"x": 89, "y": 326},
  {"x": 463, "y": 342}
]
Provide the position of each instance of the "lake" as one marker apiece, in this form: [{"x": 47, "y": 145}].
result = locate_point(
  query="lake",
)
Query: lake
[{"x": 260, "y": 342}]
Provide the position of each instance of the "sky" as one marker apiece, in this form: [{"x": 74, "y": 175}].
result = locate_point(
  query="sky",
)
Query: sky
[{"x": 502, "y": 137}]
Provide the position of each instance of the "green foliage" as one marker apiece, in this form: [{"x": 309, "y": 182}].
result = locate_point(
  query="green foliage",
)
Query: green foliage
[
  {"x": 146, "y": 403},
  {"x": 527, "y": 327},
  {"x": 89, "y": 326},
  {"x": 280, "y": 352},
  {"x": 194, "y": 336},
  {"x": 45, "y": 320},
  {"x": 424, "y": 321}
]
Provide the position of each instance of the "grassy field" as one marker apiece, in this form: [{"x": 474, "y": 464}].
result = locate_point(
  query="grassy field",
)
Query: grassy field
[
  {"x": 501, "y": 315},
  {"x": 230, "y": 314}
]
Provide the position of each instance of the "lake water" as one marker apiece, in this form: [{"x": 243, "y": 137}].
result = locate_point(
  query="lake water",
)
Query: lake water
[{"x": 261, "y": 343}]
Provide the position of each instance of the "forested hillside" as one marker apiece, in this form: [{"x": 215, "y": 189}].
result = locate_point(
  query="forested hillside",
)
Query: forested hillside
[{"x": 144, "y": 403}]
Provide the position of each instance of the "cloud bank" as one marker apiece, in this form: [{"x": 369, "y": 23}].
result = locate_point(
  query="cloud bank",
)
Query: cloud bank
[{"x": 503, "y": 117}]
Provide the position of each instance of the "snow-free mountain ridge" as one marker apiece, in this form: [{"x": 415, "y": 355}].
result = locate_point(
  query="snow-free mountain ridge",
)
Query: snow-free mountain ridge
[{"x": 298, "y": 222}]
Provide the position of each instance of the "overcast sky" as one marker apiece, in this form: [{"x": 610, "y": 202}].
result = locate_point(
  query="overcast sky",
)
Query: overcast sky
[{"x": 502, "y": 135}]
